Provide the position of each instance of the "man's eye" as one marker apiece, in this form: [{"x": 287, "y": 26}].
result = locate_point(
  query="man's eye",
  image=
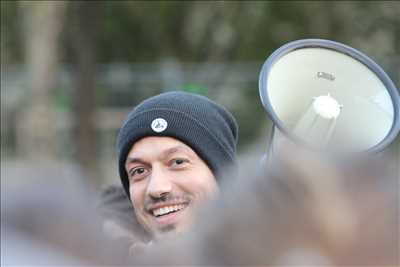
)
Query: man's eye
[
  {"x": 140, "y": 171},
  {"x": 178, "y": 162}
]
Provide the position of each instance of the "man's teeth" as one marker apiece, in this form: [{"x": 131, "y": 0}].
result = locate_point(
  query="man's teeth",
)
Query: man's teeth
[{"x": 168, "y": 209}]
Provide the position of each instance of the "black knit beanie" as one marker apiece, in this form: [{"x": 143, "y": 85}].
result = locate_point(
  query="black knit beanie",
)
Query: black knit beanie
[{"x": 208, "y": 128}]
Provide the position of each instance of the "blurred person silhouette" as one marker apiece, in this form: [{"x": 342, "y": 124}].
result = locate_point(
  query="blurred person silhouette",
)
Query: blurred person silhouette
[
  {"x": 49, "y": 217},
  {"x": 305, "y": 210},
  {"x": 172, "y": 149}
]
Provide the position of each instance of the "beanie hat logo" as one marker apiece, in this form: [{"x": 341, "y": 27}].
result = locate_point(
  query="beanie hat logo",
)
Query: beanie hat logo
[{"x": 159, "y": 125}]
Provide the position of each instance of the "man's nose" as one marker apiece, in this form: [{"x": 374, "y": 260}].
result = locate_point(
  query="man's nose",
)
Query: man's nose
[{"x": 159, "y": 185}]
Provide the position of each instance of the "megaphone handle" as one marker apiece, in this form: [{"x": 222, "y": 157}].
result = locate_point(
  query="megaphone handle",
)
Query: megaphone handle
[{"x": 269, "y": 149}]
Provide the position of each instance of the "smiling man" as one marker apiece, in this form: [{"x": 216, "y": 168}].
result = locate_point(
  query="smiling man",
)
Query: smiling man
[{"x": 172, "y": 149}]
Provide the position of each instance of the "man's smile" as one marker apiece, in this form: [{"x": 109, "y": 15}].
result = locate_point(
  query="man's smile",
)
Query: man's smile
[
  {"x": 168, "y": 209},
  {"x": 165, "y": 214}
]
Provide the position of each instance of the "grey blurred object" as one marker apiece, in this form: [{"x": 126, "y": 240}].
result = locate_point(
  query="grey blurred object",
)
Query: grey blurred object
[
  {"x": 49, "y": 216},
  {"x": 305, "y": 211}
]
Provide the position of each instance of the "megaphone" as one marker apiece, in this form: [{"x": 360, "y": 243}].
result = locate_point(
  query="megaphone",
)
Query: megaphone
[{"x": 328, "y": 96}]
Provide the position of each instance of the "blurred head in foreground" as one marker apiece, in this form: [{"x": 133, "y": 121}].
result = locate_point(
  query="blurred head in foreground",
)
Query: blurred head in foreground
[
  {"x": 49, "y": 217},
  {"x": 304, "y": 210}
]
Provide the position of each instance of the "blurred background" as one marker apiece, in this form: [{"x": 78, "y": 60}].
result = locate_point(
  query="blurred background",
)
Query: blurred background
[{"x": 70, "y": 71}]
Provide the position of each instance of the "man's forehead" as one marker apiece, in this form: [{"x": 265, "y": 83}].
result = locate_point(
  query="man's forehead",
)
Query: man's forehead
[{"x": 151, "y": 147}]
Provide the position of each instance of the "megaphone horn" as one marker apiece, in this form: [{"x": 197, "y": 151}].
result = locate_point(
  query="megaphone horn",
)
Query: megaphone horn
[{"x": 326, "y": 95}]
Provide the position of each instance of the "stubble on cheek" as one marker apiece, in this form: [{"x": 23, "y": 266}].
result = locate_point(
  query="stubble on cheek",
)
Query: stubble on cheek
[{"x": 143, "y": 219}]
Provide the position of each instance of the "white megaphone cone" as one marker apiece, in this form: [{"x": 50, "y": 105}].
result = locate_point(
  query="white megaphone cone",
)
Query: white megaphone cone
[{"x": 328, "y": 96}]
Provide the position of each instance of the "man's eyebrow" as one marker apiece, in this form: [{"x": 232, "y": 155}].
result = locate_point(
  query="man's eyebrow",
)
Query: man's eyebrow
[
  {"x": 134, "y": 160},
  {"x": 164, "y": 154},
  {"x": 174, "y": 149}
]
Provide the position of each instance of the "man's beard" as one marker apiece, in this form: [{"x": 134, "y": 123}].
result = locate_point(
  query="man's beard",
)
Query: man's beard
[{"x": 168, "y": 228}]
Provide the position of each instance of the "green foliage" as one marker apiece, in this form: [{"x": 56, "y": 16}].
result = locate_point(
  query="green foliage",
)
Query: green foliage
[
  {"x": 62, "y": 100},
  {"x": 144, "y": 31},
  {"x": 195, "y": 88},
  {"x": 11, "y": 44},
  {"x": 217, "y": 31}
]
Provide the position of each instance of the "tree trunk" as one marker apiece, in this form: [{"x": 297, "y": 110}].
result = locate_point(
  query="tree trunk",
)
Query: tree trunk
[
  {"x": 36, "y": 130},
  {"x": 84, "y": 27}
]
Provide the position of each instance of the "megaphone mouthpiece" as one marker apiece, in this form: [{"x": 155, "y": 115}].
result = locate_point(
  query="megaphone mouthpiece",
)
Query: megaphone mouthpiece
[
  {"x": 317, "y": 123},
  {"x": 326, "y": 106}
]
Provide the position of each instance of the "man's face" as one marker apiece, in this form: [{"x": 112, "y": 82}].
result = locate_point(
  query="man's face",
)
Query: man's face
[{"x": 167, "y": 180}]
